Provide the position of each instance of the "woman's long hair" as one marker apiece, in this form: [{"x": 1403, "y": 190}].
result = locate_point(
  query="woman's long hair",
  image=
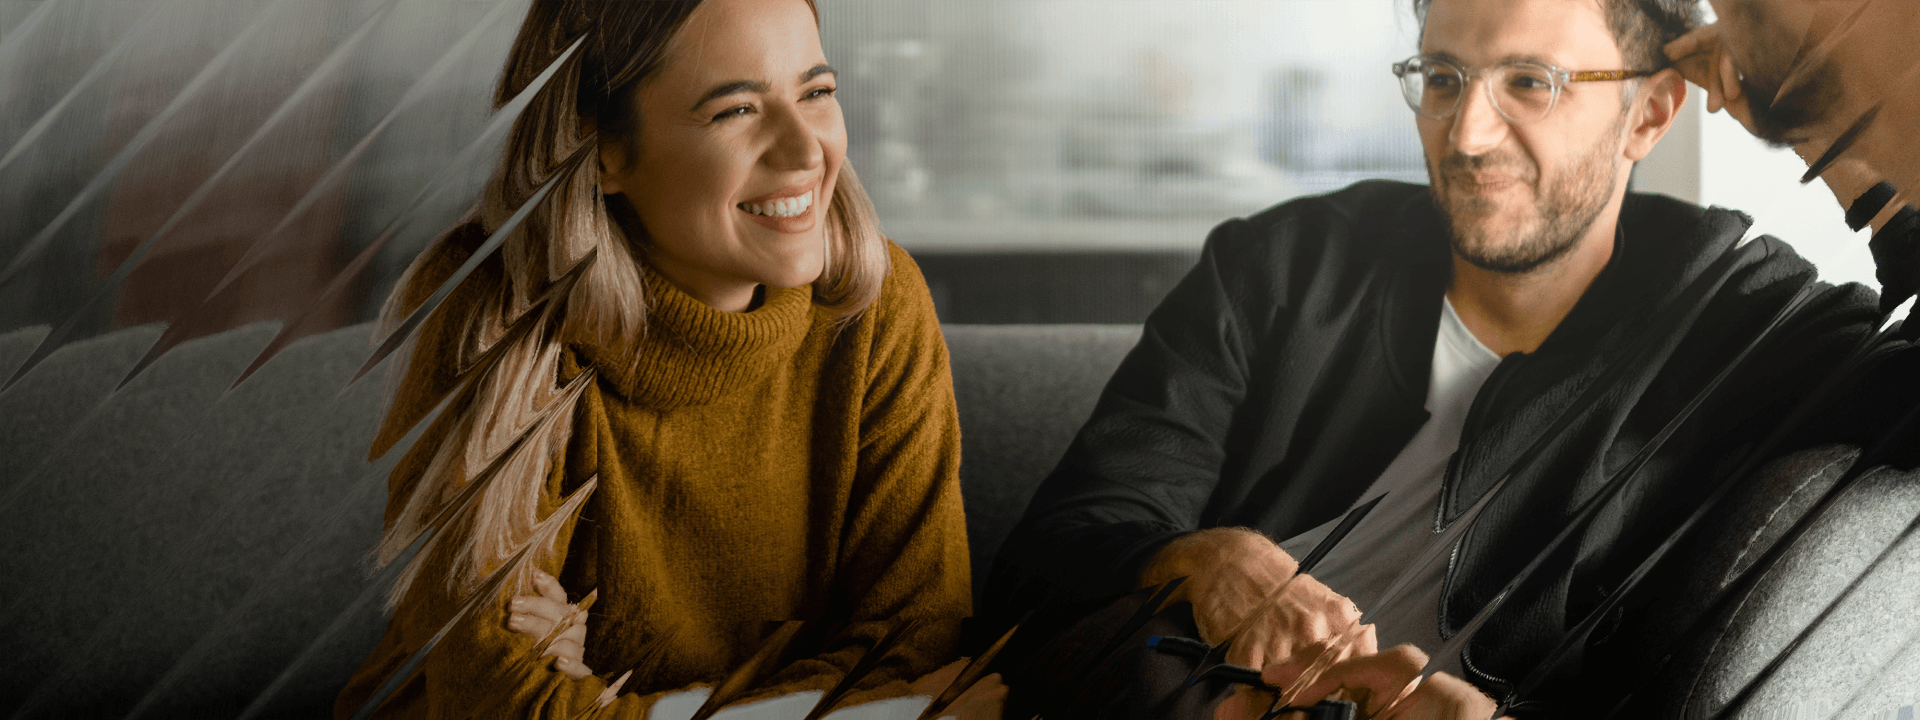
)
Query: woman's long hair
[{"x": 626, "y": 42}]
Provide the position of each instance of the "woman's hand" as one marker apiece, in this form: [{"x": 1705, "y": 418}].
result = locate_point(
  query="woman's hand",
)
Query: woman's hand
[{"x": 538, "y": 615}]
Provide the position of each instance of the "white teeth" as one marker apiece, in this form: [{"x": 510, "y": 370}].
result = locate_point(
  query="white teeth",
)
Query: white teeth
[{"x": 785, "y": 208}]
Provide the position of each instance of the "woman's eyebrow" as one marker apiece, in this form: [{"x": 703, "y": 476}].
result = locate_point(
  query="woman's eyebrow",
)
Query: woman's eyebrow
[{"x": 733, "y": 87}]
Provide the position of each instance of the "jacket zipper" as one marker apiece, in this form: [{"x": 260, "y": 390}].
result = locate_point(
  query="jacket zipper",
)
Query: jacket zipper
[{"x": 1470, "y": 430}]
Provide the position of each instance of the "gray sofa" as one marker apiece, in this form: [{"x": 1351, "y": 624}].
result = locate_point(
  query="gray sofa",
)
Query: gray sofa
[{"x": 179, "y": 547}]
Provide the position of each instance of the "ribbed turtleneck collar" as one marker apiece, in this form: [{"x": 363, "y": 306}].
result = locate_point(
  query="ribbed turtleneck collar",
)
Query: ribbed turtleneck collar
[{"x": 692, "y": 354}]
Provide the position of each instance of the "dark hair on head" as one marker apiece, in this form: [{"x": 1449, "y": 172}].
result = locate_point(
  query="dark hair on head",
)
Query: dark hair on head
[{"x": 1642, "y": 28}]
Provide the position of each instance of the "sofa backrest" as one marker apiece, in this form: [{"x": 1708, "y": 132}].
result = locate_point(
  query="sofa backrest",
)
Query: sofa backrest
[
  {"x": 179, "y": 546},
  {"x": 182, "y": 546}
]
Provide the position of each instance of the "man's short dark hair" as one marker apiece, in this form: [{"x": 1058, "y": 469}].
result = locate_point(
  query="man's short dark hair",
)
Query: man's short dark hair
[{"x": 1642, "y": 28}]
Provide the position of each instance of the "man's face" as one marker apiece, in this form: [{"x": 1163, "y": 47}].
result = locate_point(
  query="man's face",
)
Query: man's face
[
  {"x": 1811, "y": 69},
  {"x": 1521, "y": 195}
]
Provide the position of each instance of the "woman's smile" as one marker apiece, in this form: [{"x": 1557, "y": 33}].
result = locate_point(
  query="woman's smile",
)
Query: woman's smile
[{"x": 784, "y": 211}]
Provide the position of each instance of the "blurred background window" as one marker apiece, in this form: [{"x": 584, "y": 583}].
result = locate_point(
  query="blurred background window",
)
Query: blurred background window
[{"x": 213, "y": 163}]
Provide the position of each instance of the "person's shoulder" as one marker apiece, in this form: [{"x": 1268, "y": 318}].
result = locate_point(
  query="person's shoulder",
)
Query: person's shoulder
[
  {"x": 1351, "y": 222},
  {"x": 904, "y": 293}
]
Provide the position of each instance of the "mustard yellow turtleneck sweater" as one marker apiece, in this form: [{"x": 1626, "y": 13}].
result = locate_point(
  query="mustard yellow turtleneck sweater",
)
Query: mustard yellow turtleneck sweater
[{"x": 766, "y": 465}]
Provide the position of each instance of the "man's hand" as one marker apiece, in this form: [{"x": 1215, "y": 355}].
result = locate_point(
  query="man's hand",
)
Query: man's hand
[
  {"x": 538, "y": 615},
  {"x": 1387, "y": 686},
  {"x": 1232, "y": 576},
  {"x": 1703, "y": 61}
]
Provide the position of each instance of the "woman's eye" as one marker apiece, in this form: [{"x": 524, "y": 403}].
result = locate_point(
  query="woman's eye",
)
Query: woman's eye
[{"x": 734, "y": 112}]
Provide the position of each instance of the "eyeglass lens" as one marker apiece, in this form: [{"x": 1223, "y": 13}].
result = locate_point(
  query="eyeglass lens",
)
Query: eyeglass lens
[{"x": 1522, "y": 93}]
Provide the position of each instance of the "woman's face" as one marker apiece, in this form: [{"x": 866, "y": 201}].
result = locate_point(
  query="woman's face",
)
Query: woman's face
[{"x": 739, "y": 144}]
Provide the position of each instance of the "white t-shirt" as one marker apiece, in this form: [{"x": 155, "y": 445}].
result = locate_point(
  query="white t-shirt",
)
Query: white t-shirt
[{"x": 1364, "y": 565}]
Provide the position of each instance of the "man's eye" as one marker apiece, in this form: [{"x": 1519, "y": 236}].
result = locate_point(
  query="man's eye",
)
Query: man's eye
[
  {"x": 1442, "y": 80},
  {"x": 1529, "y": 83},
  {"x": 734, "y": 112},
  {"x": 820, "y": 92}
]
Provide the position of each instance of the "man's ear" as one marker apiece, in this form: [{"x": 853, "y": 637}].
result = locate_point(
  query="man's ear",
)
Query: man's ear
[{"x": 1656, "y": 107}]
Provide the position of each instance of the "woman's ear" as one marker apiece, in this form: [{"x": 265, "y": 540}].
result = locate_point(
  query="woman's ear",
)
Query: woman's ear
[
  {"x": 613, "y": 164},
  {"x": 613, "y": 156}
]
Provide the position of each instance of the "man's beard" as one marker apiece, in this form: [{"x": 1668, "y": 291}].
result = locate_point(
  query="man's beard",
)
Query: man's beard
[{"x": 1563, "y": 210}]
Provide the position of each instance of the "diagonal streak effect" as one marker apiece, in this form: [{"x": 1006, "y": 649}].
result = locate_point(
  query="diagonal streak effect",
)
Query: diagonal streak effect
[
  {"x": 17, "y": 39},
  {"x": 487, "y": 592},
  {"x": 1099, "y": 661},
  {"x": 425, "y": 84},
  {"x": 560, "y": 408},
  {"x": 38, "y": 243},
  {"x": 1689, "y": 301},
  {"x": 93, "y": 74},
  {"x": 335, "y": 176},
  {"x": 522, "y": 327},
  {"x": 1706, "y": 508},
  {"x": 504, "y": 118},
  {"x": 1753, "y": 685},
  {"x": 643, "y": 663},
  {"x": 772, "y": 655},
  {"x": 1805, "y": 67},
  {"x": 385, "y": 577},
  {"x": 393, "y": 340},
  {"x": 864, "y": 667},
  {"x": 1621, "y": 478},
  {"x": 492, "y": 243},
  {"x": 296, "y": 328},
  {"x": 972, "y": 673},
  {"x": 314, "y": 81},
  {"x": 1217, "y": 654}
]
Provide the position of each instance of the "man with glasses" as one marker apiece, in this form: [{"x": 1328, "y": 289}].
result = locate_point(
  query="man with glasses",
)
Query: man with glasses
[{"x": 1482, "y": 356}]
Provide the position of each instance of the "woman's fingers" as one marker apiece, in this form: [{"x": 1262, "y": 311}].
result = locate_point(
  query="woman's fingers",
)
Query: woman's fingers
[
  {"x": 538, "y": 615},
  {"x": 531, "y": 624},
  {"x": 549, "y": 588},
  {"x": 567, "y": 653}
]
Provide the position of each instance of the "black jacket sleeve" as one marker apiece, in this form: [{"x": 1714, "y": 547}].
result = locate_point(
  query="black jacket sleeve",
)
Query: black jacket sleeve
[{"x": 1141, "y": 470}]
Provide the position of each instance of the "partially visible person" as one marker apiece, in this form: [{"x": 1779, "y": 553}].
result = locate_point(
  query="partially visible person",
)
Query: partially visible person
[
  {"x": 767, "y": 418},
  {"x": 1838, "y": 81},
  {"x": 1417, "y": 345}
]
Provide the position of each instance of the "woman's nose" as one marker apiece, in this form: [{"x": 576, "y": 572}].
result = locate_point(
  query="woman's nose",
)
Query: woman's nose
[{"x": 795, "y": 143}]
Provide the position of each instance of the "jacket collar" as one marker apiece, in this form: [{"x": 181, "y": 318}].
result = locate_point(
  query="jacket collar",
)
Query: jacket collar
[{"x": 1662, "y": 247}]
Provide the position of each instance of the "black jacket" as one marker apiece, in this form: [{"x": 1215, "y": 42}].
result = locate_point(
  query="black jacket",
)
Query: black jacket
[{"x": 1284, "y": 373}]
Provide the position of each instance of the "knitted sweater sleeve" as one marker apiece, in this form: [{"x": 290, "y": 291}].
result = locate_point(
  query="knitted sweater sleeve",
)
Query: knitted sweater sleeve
[{"x": 904, "y": 548}]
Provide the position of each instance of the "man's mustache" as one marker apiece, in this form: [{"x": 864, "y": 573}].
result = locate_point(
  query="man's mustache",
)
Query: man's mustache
[{"x": 1462, "y": 167}]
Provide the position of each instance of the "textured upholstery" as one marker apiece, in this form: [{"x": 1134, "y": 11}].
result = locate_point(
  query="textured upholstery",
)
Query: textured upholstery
[
  {"x": 1863, "y": 661},
  {"x": 184, "y": 548}
]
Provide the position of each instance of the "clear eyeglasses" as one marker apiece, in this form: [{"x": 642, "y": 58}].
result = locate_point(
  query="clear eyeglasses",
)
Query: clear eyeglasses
[{"x": 1521, "y": 91}]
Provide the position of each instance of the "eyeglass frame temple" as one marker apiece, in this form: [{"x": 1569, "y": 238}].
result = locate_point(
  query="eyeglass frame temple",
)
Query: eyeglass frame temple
[{"x": 1400, "y": 69}]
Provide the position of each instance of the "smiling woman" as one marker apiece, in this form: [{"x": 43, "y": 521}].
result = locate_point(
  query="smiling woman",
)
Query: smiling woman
[{"x": 684, "y": 385}]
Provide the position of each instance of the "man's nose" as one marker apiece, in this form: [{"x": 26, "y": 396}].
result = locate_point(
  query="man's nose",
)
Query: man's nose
[
  {"x": 796, "y": 142},
  {"x": 1477, "y": 126}
]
